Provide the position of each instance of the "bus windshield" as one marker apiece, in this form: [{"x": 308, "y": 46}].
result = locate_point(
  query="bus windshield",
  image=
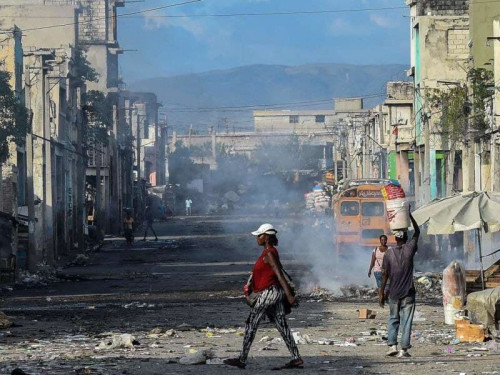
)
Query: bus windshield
[
  {"x": 372, "y": 208},
  {"x": 349, "y": 208}
]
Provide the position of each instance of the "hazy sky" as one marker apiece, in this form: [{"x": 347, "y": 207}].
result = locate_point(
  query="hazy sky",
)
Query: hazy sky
[{"x": 170, "y": 46}]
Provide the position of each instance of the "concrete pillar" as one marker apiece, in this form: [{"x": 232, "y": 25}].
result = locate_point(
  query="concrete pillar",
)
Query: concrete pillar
[
  {"x": 214, "y": 146},
  {"x": 468, "y": 167},
  {"x": 417, "y": 179},
  {"x": 432, "y": 174},
  {"x": 495, "y": 149}
]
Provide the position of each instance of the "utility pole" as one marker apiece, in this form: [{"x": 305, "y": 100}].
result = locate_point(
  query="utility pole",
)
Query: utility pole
[
  {"x": 334, "y": 156},
  {"x": 427, "y": 159},
  {"x": 30, "y": 193},
  {"x": 47, "y": 173},
  {"x": 98, "y": 191}
]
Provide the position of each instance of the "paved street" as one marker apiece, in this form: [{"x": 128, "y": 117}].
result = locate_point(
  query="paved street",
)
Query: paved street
[{"x": 183, "y": 294}]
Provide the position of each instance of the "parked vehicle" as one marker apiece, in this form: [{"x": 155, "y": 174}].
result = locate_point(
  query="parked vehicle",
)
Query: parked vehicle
[{"x": 360, "y": 216}]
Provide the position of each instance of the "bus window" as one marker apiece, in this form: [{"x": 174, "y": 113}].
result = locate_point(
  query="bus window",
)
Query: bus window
[
  {"x": 349, "y": 208},
  {"x": 372, "y": 209},
  {"x": 372, "y": 233}
]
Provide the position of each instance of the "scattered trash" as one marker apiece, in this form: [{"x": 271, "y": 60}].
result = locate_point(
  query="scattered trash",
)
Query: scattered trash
[
  {"x": 156, "y": 331},
  {"x": 367, "y": 314},
  {"x": 119, "y": 341},
  {"x": 214, "y": 361},
  {"x": 301, "y": 339},
  {"x": 197, "y": 358},
  {"x": 358, "y": 291},
  {"x": 467, "y": 332},
  {"x": 418, "y": 317},
  {"x": 4, "y": 321},
  {"x": 80, "y": 260}
]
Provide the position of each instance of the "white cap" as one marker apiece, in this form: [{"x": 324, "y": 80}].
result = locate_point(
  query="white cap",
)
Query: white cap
[{"x": 265, "y": 228}]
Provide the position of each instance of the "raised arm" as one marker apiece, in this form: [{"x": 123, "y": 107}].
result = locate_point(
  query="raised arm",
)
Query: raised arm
[
  {"x": 271, "y": 260},
  {"x": 416, "y": 234}
]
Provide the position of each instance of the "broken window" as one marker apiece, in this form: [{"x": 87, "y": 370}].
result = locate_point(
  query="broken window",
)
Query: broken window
[
  {"x": 294, "y": 119},
  {"x": 320, "y": 119}
]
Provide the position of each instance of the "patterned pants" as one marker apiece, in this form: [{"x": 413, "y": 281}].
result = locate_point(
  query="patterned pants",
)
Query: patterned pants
[{"x": 270, "y": 302}]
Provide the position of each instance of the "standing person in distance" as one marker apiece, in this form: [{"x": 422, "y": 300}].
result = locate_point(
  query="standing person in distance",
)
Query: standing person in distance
[
  {"x": 128, "y": 227},
  {"x": 398, "y": 267},
  {"x": 377, "y": 259},
  {"x": 148, "y": 222},
  {"x": 189, "y": 203},
  {"x": 269, "y": 282}
]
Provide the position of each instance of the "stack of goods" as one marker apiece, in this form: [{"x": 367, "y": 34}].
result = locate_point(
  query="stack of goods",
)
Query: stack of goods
[
  {"x": 318, "y": 200},
  {"x": 396, "y": 206},
  {"x": 453, "y": 290}
]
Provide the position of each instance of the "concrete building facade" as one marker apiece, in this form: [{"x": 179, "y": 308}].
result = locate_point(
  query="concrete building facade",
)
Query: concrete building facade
[{"x": 439, "y": 61}]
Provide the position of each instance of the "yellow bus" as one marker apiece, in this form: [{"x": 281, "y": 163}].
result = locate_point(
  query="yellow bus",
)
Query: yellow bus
[{"x": 360, "y": 216}]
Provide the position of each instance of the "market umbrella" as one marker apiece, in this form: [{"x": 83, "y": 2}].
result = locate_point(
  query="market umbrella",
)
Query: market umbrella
[{"x": 468, "y": 211}]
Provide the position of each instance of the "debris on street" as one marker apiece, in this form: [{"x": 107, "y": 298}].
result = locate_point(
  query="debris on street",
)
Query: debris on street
[
  {"x": 126, "y": 341},
  {"x": 197, "y": 358},
  {"x": 4, "y": 321}
]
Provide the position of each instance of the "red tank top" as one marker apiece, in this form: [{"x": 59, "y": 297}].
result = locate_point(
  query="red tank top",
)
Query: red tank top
[{"x": 263, "y": 274}]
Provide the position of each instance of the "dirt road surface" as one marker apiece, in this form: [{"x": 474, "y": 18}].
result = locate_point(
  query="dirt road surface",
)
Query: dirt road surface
[{"x": 183, "y": 294}]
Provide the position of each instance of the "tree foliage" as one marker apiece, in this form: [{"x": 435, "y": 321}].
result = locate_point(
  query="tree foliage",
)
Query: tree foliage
[
  {"x": 98, "y": 114},
  {"x": 83, "y": 69},
  {"x": 181, "y": 168},
  {"x": 481, "y": 81},
  {"x": 13, "y": 117},
  {"x": 461, "y": 110}
]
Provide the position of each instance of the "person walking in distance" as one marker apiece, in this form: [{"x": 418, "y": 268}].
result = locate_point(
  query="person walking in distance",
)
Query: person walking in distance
[
  {"x": 377, "y": 259},
  {"x": 398, "y": 267},
  {"x": 189, "y": 203},
  {"x": 148, "y": 222},
  {"x": 272, "y": 288},
  {"x": 128, "y": 228}
]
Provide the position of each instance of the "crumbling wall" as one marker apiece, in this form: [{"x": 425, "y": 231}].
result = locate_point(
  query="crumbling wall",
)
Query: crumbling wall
[
  {"x": 442, "y": 7},
  {"x": 400, "y": 90}
]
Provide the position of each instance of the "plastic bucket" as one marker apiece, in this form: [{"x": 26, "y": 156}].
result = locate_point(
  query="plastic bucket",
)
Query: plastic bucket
[
  {"x": 398, "y": 214},
  {"x": 449, "y": 314}
]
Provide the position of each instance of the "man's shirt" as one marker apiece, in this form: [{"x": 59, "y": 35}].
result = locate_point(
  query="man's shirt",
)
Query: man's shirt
[{"x": 398, "y": 264}]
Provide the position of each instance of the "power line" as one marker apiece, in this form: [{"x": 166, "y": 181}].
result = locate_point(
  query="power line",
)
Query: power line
[
  {"x": 257, "y": 106},
  {"x": 289, "y": 13},
  {"x": 142, "y": 11}
]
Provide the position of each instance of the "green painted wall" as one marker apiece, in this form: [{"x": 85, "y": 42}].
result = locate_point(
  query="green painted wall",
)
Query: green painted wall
[
  {"x": 482, "y": 13},
  {"x": 393, "y": 174}
]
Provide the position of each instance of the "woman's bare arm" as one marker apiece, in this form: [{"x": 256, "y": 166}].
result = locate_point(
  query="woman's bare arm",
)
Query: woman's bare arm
[
  {"x": 271, "y": 260},
  {"x": 372, "y": 264}
]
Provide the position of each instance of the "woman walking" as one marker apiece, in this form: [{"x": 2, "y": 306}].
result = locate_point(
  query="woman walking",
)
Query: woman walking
[
  {"x": 377, "y": 259},
  {"x": 128, "y": 228},
  {"x": 272, "y": 288}
]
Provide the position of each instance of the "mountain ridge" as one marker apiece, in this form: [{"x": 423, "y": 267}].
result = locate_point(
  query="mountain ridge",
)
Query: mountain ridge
[{"x": 182, "y": 95}]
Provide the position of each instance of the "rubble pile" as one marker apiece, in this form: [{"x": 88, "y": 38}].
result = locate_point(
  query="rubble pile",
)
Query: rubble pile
[
  {"x": 4, "y": 321},
  {"x": 321, "y": 294},
  {"x": 428, "y": 286},
  {"x": 44, "y": 276},
  {"x": 358, "y": 291}
]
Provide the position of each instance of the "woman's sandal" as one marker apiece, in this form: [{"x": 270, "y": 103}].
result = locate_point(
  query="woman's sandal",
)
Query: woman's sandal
[{"x": 296, "y": 363}]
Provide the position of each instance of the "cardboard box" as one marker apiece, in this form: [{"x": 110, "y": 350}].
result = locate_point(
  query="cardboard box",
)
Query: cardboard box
[
  {"x": 467, "y": 332},
  {"x": 367, "y": 314}
]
